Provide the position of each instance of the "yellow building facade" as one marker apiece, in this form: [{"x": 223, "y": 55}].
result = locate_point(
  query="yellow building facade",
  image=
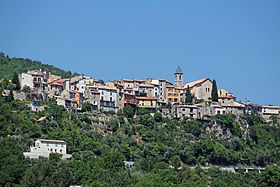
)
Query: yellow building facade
[{"x": 172, "y": 95}]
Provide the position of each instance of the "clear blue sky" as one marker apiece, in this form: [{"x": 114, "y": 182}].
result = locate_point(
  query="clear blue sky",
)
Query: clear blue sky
[{"x": 235, "y": 42}]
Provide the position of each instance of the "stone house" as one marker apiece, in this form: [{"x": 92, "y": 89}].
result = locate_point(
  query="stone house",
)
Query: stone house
[
  {"x": 162, "y": 84},
  {"x": 146, "y": 90},
  {"x": 149, "y": 103},
  {"x": 68, "y": 103},
  {"x": 190, "y": 111},
  {"x": 267, "y": 111},
  {"x": 94, "y": 99},
  {"x": 226, "y": 100},
  {"x": 35, "y": 79},
  {"x": 108, "y": 98},
  {"x": 219, "y": 109},
  {"x": 201, "y": 89},
  {"x": 57, "y": 86},
  {"x": 236, "y": 108},
  {"x": 75, "y": 82},
  {"x": 205, "y": 112}
]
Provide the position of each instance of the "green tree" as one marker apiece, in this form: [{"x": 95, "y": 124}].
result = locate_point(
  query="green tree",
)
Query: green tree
[
  {"x": 10, "y": 96},
  {"x": 113, "y": 125},
  {"x": 86, "y": 107},
  {"x": 274, "y": 119},
  {"x": 188, "y": 96},
  {"x": 142, "y": 111},
  {"x": 38, "y": 174},
  {"x": 214, "y": 94},
  {"x": 176, "y": 162},
  {"x": 158, "y": 117},
  {"x": 26, "y": 89},
  {"x": 12, "y": 165},
  {"x": 270, "y": 177},
  {"x": 4, "y": 83},
  {"x": 128, "y": 112},
  {"x": 15, "y": 81}
]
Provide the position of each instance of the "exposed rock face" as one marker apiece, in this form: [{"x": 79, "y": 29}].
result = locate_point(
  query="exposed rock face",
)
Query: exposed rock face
[
  {"x": 219, "y": 132},
  {"x": 19, "y": 95}
]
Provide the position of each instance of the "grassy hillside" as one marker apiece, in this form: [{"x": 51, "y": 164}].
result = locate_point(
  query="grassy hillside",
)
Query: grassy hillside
[{"x": 9, "y": 66}]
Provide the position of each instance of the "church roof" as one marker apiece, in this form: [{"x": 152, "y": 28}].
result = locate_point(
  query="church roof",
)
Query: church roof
[{"x": 194, "y": 83}]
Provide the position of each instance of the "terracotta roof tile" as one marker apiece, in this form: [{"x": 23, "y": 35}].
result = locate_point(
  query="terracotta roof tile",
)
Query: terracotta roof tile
[
  {"x": 45, "y": 140},
  {"x": 146, "y": 98}
]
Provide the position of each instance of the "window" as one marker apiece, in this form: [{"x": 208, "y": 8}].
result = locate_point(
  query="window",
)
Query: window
[
  {"x": 61, "y": 150},
  {"x": 191, "y": 110},
  {"x": 175, "y": 100},
  {"x": 169, "y": 89},
  {"x": 170, "y": 94}
]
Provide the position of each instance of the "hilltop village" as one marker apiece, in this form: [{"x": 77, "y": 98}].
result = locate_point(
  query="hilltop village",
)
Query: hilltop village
[
  {"x": 198, "y": 99},
  {"x": 75, "y": 130}
]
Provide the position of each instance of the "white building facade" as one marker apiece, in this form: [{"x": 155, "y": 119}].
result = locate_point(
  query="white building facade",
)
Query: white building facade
[{"x": 44, "y": 147}]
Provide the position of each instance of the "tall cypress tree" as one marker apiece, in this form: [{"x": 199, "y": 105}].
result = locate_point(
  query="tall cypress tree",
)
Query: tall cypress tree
[
  {"x": 188, "y": 96},
  {"x": 214, "y": 93}
]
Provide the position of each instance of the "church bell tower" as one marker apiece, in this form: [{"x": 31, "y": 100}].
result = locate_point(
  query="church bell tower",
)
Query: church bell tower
[{"x": 178, "y": 78}]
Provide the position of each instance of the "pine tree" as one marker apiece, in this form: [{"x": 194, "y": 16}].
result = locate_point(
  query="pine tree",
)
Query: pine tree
[
  {"x": 214, "y": 93},
  {"x": 188, "y": 96}
]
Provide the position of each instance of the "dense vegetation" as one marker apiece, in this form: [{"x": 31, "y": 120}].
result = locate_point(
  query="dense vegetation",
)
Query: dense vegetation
[
  {"x": 161, "y": 148},
  {"x": 11, "y": 66}
]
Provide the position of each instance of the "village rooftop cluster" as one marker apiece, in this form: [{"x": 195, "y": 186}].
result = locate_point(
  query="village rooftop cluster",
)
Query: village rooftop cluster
[{"x": 153, "y": 94}]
